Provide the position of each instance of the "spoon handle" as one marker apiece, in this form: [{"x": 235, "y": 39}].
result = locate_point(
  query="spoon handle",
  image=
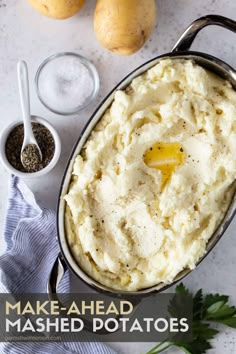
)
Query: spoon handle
[{"x": 23, "y": 82}]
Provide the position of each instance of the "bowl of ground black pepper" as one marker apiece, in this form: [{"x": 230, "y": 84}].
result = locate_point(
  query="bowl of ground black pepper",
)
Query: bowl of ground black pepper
[{"x": 33, "y": 166}]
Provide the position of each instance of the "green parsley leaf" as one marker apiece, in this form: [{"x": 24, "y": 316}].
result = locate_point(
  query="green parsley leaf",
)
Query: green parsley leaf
[
  {"x": 195, "y": 347},
  {"x": 203, "y": 330},
  {"x": 212, "y": 299},
  {"x": 197, "y": 305},
  {"x": 230, "y": 322},
  {"x": 181, "y": 289},
  {"x": 206, "y": 309},
  {"x": 220, "y": 311},
  {"x": 216, "y": 308}
]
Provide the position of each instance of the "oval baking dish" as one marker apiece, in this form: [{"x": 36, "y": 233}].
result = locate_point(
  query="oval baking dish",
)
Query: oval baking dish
[{"x": 180, "y": 51}]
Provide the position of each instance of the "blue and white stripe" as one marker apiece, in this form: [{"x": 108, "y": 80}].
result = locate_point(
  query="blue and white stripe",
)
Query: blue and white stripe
[{"x": 31, "y": 249}]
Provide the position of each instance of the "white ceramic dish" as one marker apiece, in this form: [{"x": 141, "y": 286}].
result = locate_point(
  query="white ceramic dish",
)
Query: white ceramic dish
[{"x": 46, "y": 169}]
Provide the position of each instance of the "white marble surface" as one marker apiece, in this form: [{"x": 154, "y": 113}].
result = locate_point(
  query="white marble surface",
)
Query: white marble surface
[{"x": 25, "y": 34}]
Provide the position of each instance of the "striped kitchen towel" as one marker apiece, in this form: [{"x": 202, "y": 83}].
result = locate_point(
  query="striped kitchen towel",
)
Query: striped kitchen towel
[{"x": 31, "y": 249}]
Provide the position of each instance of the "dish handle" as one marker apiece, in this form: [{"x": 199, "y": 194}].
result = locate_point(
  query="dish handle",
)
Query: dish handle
[
  {"x": 187, "y": 38},
  {"x": 58, "y": 270}
]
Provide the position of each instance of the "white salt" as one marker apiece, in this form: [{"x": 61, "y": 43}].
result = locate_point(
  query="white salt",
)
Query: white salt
[{"x": 65, "y": 84}]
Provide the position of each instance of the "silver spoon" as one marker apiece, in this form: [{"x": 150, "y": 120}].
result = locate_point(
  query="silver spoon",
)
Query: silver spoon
[{"x": 23, "y": 82}]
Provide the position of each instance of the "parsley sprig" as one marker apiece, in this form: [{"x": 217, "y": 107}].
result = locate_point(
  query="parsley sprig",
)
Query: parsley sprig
[{"x": 207, "y": 309}]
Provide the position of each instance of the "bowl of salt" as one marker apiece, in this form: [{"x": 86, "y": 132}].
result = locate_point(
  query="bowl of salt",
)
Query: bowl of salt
[{"x": 66, "y": 83}]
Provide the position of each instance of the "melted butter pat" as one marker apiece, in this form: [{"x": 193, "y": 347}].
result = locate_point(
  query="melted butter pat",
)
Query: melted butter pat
[{"x": 165, "y": 157}]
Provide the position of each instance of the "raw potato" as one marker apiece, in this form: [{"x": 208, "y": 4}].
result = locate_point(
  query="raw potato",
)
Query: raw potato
[
  {"x": 123, "y": 26},
  {"x": 58, "y": 9}
]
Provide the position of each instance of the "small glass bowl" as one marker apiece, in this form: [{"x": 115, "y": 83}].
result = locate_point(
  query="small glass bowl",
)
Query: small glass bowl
[{"x": 92, "y": 72}]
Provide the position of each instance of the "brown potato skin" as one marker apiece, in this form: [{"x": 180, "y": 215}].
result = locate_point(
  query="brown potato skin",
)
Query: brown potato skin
[
  {"x": 58, "y": 9},
  {"x": 123, "y": 26}
]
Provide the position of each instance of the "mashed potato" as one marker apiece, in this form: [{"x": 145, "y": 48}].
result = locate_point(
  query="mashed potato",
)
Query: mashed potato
[{"x": 155, "y": 178}]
